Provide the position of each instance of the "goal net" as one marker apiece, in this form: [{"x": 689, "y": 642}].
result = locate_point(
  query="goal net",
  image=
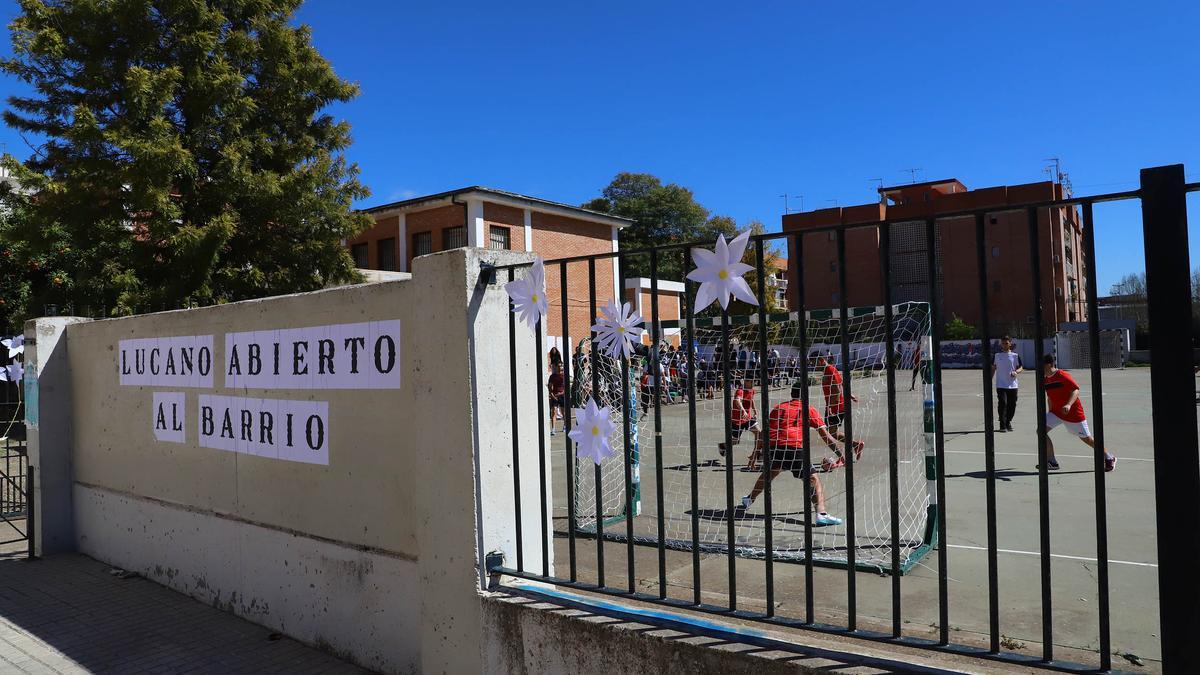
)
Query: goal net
[
  {"x": 1072, "y": 348},
  {"x": 791, "y": 341}
]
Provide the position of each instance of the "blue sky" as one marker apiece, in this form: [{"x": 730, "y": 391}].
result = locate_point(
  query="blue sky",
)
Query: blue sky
[{"x": 743, "y": 102}]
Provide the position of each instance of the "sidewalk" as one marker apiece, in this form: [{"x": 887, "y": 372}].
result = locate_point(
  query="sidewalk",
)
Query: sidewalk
[{"x": 67, "y": 614}]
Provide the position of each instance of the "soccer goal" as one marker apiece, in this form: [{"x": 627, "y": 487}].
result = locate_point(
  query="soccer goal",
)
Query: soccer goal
[
  {"x": 1072, "y": 348},
  {"x": 791, "y": 340}
]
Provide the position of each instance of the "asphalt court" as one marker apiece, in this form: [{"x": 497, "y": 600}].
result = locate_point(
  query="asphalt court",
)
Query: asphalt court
[{"x": 1129, "y": 493}]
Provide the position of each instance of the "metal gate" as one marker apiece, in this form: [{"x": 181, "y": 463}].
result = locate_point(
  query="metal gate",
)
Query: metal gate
[{"x": 15, "y": 482}]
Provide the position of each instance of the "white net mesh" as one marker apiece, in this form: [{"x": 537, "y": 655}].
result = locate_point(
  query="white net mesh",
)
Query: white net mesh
[
  {"x": 872, "y": 503},
  {"x": 1073, "y": 348}
]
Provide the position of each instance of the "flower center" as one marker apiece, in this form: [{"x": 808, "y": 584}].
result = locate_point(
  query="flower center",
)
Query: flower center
[
  {"x": 535, "y": 299},
  {"x": 621, "y": 329},
  {"x": 595, "y": 430},
  {"x": 723, "y": 275}
]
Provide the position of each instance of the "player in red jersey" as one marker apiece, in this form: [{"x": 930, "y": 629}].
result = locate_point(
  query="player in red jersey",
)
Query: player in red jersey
[
  {"x": 1066, "y": 409},
  {"x": 741, "y": 414},
  {"x": 785, "y": 451},
  {"x": 835, "y": 399}
]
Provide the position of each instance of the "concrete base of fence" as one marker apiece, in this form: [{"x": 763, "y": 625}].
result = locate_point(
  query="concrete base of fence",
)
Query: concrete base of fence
[{"x": 332, "y": 595}]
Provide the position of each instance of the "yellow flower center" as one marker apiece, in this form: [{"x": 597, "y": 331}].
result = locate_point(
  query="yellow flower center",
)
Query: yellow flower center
[
  {"x": 535, "y": 299},
  {"x": 723, "y": 275},
  {"x": 595, "y": 430},
  {"x": 620, "y": 329}
]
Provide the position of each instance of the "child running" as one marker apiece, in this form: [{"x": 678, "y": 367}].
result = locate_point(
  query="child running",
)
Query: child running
[
  {"x": 785, "y": 452},
  {"x": 1066, "y": 409},
  {"x": 742, "y": 416}
]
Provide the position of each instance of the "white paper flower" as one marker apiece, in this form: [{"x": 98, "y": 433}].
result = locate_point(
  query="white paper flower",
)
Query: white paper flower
[
  {"x": 617, "y": 328},
  {"x": 13, "y": 372},
  {"x": 593, "y": 431},
  {"x": 14, "y": 344},
  {"x": 529, "y": 294},
  {"x": 720, "y": 273}
]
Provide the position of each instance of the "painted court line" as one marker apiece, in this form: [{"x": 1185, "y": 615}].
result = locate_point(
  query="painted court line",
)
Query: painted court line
[
  {"x": 1054, "y": 555},
  {"x": 1034, "y": 454}
]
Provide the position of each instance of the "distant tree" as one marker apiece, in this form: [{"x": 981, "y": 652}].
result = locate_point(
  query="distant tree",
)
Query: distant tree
[
  {"x": 662, "y": 214},
  {"x": 957, "y": 329},
  {"x": 186, "y": 155},
  {"x": 1131, "y": 300}
]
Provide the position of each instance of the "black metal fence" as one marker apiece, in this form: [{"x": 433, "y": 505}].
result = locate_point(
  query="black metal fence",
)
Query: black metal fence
[
  {"x": 1176, "y": 456},
  {"x": 15, "y": 517}
]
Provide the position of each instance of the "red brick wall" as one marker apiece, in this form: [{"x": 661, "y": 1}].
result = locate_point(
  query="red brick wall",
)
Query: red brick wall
[
  {"x": 505, "y": 216},
  {"x": 562, "y": 237},
  {"x": 383, "y": 229},
  {"x": 1010, "y": 286},
  {"x": 433, "y": 221}
]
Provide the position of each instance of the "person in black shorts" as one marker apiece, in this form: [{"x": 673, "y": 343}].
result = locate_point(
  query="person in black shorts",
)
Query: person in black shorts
[{"x": 558, "y": 394}]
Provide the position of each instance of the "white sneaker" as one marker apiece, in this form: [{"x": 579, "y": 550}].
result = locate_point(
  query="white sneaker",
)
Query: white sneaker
[{"x": 824, "y": 519}]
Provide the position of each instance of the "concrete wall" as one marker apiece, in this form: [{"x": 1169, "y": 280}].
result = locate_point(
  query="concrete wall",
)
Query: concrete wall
[{"x": 375, "y": 556}]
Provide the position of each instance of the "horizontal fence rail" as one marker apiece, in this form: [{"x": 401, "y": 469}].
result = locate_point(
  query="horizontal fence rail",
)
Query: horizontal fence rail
[{"x": 881, "y": 444}]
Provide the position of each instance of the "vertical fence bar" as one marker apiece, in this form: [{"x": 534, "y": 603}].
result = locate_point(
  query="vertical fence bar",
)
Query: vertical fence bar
[
  {"x": 729, "y": 511},
  {"x": 599, "y": 481},
  {"x": 802, "y": 317},
  {"x": 541, "y": 399},
  {"x": 1172, "y": 390},
  {"x": 627, "y": 412},
  {"x": 516, "y": 446},
  {"x": 30, "y": 513},
  {"x": 848, "y": 426},
  {"x": 1093, "y": 313},
  {"x": 989, "y": 432},
  {"x": 935, "y": 329},
  {"x": 659, "y": 500},
  {"x": 568, "y": 358},
  {"x": 693, "y": 458},
  {"x": 765, "y": 382},
  {"x": 885, "y": 263},
  {"x": 1035, "y": 268}
]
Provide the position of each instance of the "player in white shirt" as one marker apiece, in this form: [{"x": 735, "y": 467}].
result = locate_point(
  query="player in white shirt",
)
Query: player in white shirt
[{"x": 1006, "y": 365}]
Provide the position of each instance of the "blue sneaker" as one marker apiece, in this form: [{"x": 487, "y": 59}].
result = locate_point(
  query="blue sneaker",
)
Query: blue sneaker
[{"x": 824, "y": 520}]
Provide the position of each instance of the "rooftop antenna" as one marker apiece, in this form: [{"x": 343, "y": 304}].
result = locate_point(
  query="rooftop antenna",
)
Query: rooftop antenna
[
  {"x": 913, "y": 172},
  {"x": 880, "y": 188},
  {"x": 787, "y": 210},
  {"x": 835, "y": 202}
]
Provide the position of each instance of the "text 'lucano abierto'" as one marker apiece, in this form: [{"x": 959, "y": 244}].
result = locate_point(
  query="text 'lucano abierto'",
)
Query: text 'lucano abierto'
[{"x": 340, "y": 356}]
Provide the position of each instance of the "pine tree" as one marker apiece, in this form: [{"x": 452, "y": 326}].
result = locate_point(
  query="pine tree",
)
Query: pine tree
[{"x": 186, "y": 157}]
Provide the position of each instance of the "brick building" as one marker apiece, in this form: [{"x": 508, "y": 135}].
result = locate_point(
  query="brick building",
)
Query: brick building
[
  {"x": 489, "y": 218},
  {"x": 1010, "y": 287}
]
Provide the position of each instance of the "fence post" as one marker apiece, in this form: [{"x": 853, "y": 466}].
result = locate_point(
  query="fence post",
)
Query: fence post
[{"x": 1172, "y": 389}]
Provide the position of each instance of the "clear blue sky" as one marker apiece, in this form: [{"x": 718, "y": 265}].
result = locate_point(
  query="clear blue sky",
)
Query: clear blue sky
[{"x": 743, "y": 102}]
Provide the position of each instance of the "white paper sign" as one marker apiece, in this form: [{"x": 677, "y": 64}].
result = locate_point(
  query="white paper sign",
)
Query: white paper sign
[
  {"x": 180, "y": 361},
  {"x": 296, "y": 431},
  {"x": 341, "y": 356},
  {"x": 169, "y": 417}
]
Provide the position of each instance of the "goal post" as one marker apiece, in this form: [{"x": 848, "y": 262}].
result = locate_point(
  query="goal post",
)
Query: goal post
[
  {"x": 1072, "y": 348},
  {"x": 791, "y": 340}
]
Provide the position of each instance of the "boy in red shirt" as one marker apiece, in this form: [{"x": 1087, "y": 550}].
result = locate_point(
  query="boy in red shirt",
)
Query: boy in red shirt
[
  {"x": 785, "y": 451},
  {"x": 1066, "y": 409},
  {"x": 835, "y": 401},
  {"x": 742, "y": 416}
]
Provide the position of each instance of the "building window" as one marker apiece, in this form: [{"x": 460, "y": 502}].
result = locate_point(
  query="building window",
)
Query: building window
[
  {"x": 832, "y": 235},
  {"x": 836, "y": 298},
  {"x": 995, "y": 251},
  {"x": 454, "y": 237},
  {"x": 422, "y": 243},
  {"x": 387, "y": 254},
  {"x": 832, "y": 265},
  {"x": 359, "y": 253},
  {"x": 499, "y": 238}
]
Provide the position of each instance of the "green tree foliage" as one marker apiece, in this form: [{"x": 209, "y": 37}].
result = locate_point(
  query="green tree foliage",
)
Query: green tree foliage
[
  {"x": 957, "y": 329},
  {"x": 186, "y": 157},
  {"x": 662, "y": 215}
]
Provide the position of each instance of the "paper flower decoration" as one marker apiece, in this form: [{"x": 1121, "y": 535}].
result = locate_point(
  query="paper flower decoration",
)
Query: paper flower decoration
[
  {"x": 719, "y": 273},
  {"x": 14, "y": 344},
  {"x": 529, "y": 294},
  {"x": 593, "y": 431},
  {"x": 617, "y": 328},
  {"x": 13, "y": 372}
]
